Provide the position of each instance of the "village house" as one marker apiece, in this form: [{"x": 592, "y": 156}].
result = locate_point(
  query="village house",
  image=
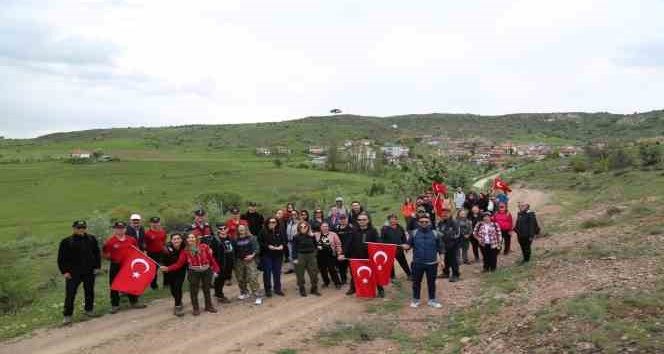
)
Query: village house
[
  {"x": 567, "y": 151},
  {"x": 396, "y": 151},
  {"x": 282, "y": 150},
  {"x": 263, "y": 151},
  {"x": 80, "y": 154},
  {"x": 316, "y": 150}
]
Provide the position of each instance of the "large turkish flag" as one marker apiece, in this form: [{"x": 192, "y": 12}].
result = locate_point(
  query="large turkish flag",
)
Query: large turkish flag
[
  {"x": 381, "y": 257},
  {"x": 136, "y": 273},
  {"x": 363, "y": 276}
]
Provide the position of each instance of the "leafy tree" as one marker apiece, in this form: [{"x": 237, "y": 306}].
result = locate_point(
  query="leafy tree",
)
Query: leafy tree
[
  {"x": 650, "y": 154},
  {"x": 620, "y": 159},
  {"x": 332, "y": 156}
]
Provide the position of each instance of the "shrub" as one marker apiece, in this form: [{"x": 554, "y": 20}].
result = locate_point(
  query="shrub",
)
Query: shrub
[
  {"x": 176, "y": 216},
  {"x": 120, "y": 213},
  {"x": 15, "y": 291},
  {"x": 277, "y": 163},
  {"x": 99, "y": 225},
  {"x": 620, "y": 159},
  {"x": 650, "y": 154},
  {"x": 579, "y": 165}
]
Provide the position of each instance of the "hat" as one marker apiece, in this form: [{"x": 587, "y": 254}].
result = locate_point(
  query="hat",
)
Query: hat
[
  {"x": 486, "y": 213},
  {"x": 252, "y": 204},
  {"x": 343, "y": 216},
  {"x": 199, "y": 212},
  {"x": 221, "y": 226},
  {"x": 421, "y": 209},
  {"x": 235, "y": 210},
  {"x": 79, "y": 224},
  {"x": 135, "y": 217},
  {"x": 155, "y": 219},
  {"x": 392, "y": 216},
  {"x": 339, "y": 199},
  {"x": 119, "y": 225}
]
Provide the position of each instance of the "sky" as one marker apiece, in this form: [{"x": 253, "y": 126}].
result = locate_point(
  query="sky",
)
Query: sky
[{"x": 72, "y": 65}]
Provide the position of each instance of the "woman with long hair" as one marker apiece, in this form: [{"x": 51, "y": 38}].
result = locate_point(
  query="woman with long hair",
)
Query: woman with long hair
[
  {"x": 273, "y": 243},
  {"x": 408, "y": 209},
  {"x": 304, "y": 258},
  {"x": 504, "y": 219},
  {"x": 488, "y": 234},
  {"x": 175, "y": 279},
  {"x": 246, "y": 270},
  {"x": 329, "y": 248}
]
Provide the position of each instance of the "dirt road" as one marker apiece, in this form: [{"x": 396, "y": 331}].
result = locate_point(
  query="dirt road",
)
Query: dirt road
[{"x": 238, "y": 327}]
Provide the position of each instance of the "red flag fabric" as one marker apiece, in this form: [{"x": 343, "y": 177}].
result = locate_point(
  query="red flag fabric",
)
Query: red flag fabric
[
  {"x": 438, "y": 203},
  {"x": 500, "y": 184},
  {"x": 381, "y": 257},
  {"x": 364, "y": 278},
  {"x": 136, "y": 273},
  {"x": 439, "y": 188}
]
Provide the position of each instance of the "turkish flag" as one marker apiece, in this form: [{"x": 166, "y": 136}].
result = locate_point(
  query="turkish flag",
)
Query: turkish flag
[
  {"x": 364, "y": 278},
  {"x": 501, "y": 185},
  {"x": 136, "y": 273},
  {"x": 439, "y": 188},
  {"x": 381, "y": 257},
  {"x": 438, "y": 204}
]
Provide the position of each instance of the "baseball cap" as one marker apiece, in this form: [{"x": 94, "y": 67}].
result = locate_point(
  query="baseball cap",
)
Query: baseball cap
[
  {"x": 235, "y": 210},
  {"x": 339, "y": 199},
  {"x": 199, "y": 212},
  {"x": 79, "y": 224},
  {"x": 119, "y": 225},
  {"x": 221, "y": 226},
  {"x": 135, "y": 217},
  {"x": 155, "y": 219},
  {"x": 252, "y": 204}
]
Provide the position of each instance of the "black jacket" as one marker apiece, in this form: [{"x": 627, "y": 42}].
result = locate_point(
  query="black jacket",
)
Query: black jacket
[
  {"x": 215, "y": 245},
  {"x": 450, "y": 233},
  {"x": 139, "y": 235},
  {"x": 171, "y": 257},
  {"x": 79, "y": 255},
  {"x": 357, "y": 247},
  {"x": 255, "y": 221},
  {"x": 275, "y": 238},
  {"x": 303, "y": 244},
  {"x": 396, "y": 236},
  {"x": 526, "y": 224}
]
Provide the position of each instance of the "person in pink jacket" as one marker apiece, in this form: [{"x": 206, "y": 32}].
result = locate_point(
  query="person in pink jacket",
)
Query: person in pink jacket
[
  {"x": 504, "y": 219},
  {"x": 329, "y": 248}
]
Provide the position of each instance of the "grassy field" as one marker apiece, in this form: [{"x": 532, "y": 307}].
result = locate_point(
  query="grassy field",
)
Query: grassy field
[{"x": 41, "y": 199}]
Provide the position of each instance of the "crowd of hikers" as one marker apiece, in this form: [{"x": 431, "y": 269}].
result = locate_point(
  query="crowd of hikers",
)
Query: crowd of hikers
[{"x": 318, "y": 246}]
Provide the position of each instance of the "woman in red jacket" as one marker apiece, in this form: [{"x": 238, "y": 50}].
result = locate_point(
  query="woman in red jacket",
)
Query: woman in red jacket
[
  {"x": 202, "y": 269},
  {"x": 408, "y": 209},
  {"x": 504, "y": 219}
]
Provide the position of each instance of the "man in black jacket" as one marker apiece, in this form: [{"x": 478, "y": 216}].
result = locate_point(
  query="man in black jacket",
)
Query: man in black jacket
[
  {"x": 393, "y": 233},
  {"x": 450, "y": 234},
  {"x": 136, "y": 230},
  {"x": 345, "y": 230},
  {"x": 79, "y": 260},
  {"x": 254, "y": 219},
  {"x": 357, "y": 248},
  {"x": 526, "y": 228}
]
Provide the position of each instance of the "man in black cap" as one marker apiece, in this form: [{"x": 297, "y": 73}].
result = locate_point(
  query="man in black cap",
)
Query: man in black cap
[
  {"x": 254, "y": 218},
  {"x": 79, "y": 260},
  {"x": 200, "y": 227},
  {"x": 155, "y": 244},
  {"x": 345, "y": 230}
]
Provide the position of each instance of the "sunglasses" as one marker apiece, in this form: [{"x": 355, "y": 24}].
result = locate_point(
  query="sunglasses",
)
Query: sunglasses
[
  {"x": 81, "y": 227},
  {"x": 362, "y": 219},
  {"x": 271, "y": 222},
  {"x": 424, "y": 222}
]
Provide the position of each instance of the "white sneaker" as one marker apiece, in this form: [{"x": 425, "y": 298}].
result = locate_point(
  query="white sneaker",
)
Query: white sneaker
[
  {"x": 415, "y": 304},
  {"x": 259, "y": 301},
  {"x": 243, "y": 296},
  {"x": 435, "y": 304}
]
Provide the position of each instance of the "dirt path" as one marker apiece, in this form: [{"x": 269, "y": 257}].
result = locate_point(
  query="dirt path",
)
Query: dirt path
[{"x": 238, "y": 327}]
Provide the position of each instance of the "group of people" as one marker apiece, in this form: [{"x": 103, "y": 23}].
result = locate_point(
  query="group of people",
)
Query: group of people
[{"x": 293, "y": 241}]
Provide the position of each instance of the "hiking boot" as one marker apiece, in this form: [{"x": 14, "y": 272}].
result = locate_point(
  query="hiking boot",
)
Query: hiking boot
[
  {"x": 223, "y": 300},
  {"x": 303, "y": 292},
  {"x": 337, "y": 286},
  {"x": 381, "y": 293},
  {"x": 435, "y": 304},
  {"x": 454, "y": 279},
  {"x": 415, "y": 304},
  {"x": 114, "y": 309},
  {"x": 279, "y": 292},
  {"x": 211, "y": 309},
  {"x": 179, "y": 311},
  {"x": 67, "y": 321},
  {"x": 350, "y": 292},
  {"x": 268, "y": 293},
  {"x": 138, "y": 305},
  {"x": 314, "y": 291},
  {"x": 196, "y": 312}
]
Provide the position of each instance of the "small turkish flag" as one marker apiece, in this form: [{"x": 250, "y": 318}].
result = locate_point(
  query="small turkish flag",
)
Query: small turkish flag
[
  {"x": 136, "y": 273},
  {"x": 501, "y": 185},
  {"x": 364, "y": 278},
  {"x": 381, "y": 257},
  {"x": 439, "y": 188}
]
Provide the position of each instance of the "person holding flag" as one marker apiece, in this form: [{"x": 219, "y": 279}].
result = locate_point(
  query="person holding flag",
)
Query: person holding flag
[
  {"x": 175, "y": 279},
  {"x": 427, "y": 246},
  {"x": 357, "y": 247},
  {"x": 393, "y": 233},
  {"x": 115, "y": 249},
  {"x": 202, "y": 268}
]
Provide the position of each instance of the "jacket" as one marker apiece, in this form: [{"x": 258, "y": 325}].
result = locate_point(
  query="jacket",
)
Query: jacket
[
  {"x": 450, "y": 233},
  {"x": 466, "y": 226},
  {"x": 357, "y": 247},
  {"x": 333, "y": 243},
  {"x": 504, "y": 220},
  {"x": 345, "y": 234},
  {"x": 303, "y": 243},
  {"x": 232, "y": 226},
  {"x": 214, "y": 244},
  {"x": 255, "y": 221},
  {"x": 138, "y": 234},
  {"x": 171, "y": 256},
  {"x": 392, "y": 235},
  {"x": 244, "y": 246},
  {"x": 201, "y": 260},
  {"x": 526, "y": 224},
  {"x": 277, "y": 238},
  {"x": 426, "y": 245},
  {"x": 407, "y": 210},
  {"x": 459, "y": 199},
  {"x": 155, "y": 240},
  {"x": 203, "y": 229},
  {"x": 490, "y": 231},
  {"x": 79, "y": 255},
  {"x": 116, "y": 249}
]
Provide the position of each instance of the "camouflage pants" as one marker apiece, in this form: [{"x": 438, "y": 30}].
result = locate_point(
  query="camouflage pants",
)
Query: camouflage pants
[{"x": 246, "y": 274}]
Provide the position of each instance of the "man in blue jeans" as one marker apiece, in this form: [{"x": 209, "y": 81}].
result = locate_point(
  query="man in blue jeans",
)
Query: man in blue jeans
[{"x": 427, "y": 247}]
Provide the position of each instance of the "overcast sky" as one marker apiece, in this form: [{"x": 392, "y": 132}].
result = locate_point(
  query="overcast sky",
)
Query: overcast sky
[{"x": 72, "y": 65}]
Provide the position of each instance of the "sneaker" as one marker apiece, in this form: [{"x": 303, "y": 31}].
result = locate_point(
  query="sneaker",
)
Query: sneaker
[
  {"x": 90, "y": 314},
  {"x": 67, "y": 321},
  {"x": 114, "y": 309},
  {"x": 435, "y": 304},
  {"x": 259, "y": 300},
  {"x": 350, "y": 292},
  {"x": 211, "y": 309},
  {"x": 138, "y": 305},
  {"x": 179, "y": 311},
  {"x": 279, "y": 292},
  {"x": 243, "y": 296},
  {"x": 415, "y": 304},
  {"x": 454, "y": 279}
]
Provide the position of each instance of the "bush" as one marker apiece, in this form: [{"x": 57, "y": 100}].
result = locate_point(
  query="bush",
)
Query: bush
[
  {"x": 15, "y": 291},
  {"x": 277, "y": 163},
  {"x": 223, "y": 201},
  {"x": 620, "y": 159},
  {"x": 120, "y": 213},
  {"x": 579, "y": 165},
  {"x": 650, "y": 154},
  {"x": 176, "y": 216},
  {"x": 99, "y": 225}
]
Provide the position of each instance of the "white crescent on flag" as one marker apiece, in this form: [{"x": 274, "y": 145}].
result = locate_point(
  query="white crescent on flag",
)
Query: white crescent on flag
[
  {"x": 141, "y": 261},
  {"x": 359, "y": 273},
  {"x": 384, "y": 255}
]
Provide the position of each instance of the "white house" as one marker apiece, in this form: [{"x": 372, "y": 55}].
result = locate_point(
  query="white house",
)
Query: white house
[{"x": 80, "y": 154}]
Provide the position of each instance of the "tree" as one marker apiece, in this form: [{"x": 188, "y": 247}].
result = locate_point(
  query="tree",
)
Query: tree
[
  {"x": 619, "y": 159},
  {"x": 332, "y": 156},
  {"x": 277, "y": 163},
  {"x": 379, "y": 164},
  {"x": 650, "y": 154}
]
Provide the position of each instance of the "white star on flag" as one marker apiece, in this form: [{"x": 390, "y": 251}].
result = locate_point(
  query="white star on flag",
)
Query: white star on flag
[{"x": 135, "y": 274}]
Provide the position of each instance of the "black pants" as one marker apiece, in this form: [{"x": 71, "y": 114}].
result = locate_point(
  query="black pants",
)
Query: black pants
[
  {"x": 272, "y": 271},
  {"x": 403, "y": 262},
  {"x": 452, "y": 261},
  {"x": 343, "y": 271},
  {"x": 525, "y": 243},
  {"x": 327, "y": 266},
  {"x": 199, "y": 280},
  {"x": 476, "y": 248},
  {"x": 218, "y": 286},
  {"x": 115, "y": 295},
  {"x": 157, "y": 258},
  {"x": 508, "y": 240},
  {"x": 71, "y": 286},
  {"x": 419, "y": 270},
  {"x": 490, "y": 256},
  {"x": 175, "y": 282}
]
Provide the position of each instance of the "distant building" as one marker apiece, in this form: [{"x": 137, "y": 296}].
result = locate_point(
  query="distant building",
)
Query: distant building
[
  {"x": 263, "y": 151},
  {"x": 395, "y": 151},
  {"x": 316, "y": 150},
  {"x": 567, "y": 151},
  {"x": 282, "y": 150},
  {"x": 80, "y": 154}
]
